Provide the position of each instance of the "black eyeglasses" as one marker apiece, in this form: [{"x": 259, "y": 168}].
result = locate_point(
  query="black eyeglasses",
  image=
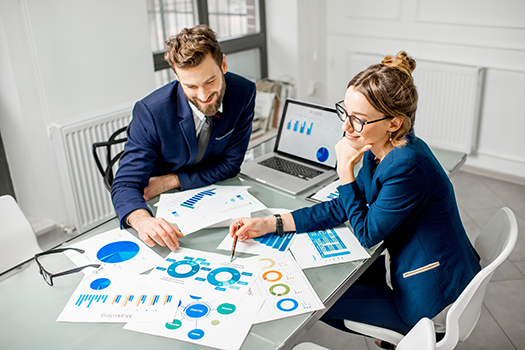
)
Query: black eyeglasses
[
  {"x": 48, "y": 276},
  {"x": 357, "y": 124}
]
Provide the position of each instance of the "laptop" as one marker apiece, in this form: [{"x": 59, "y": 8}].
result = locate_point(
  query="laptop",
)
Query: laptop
[{"x": 304, "y": 152}]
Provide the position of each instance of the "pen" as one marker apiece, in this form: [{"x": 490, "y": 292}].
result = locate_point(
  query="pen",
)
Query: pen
[{"x": 234, "y": 242}]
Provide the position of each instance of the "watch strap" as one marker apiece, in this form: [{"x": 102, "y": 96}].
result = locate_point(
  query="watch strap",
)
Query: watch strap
[{"x": 279, "y": 225}]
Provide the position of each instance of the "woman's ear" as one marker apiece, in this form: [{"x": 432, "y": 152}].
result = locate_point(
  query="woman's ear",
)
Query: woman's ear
[{"x": 395, "y": 124}]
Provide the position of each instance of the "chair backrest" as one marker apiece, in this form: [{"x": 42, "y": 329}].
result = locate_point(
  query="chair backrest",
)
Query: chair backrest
[
  {"x": 106, "y": 170},
  {"x": 17, "y": 239},
  {"x": 494, "y": 244},
  {"x": 421, "y": 337}
]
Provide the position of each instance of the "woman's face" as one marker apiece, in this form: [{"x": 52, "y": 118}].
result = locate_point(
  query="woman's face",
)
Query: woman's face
[{"x": 376, "y": 134}]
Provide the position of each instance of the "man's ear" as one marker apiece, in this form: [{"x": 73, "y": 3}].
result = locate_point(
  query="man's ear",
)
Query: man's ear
[
  {"x": 395, "y": 124},
  {"x": 224, "y": 66}
]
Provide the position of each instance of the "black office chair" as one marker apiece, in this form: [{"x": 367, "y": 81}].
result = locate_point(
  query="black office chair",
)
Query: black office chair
[{"x": 107, "y": 172}]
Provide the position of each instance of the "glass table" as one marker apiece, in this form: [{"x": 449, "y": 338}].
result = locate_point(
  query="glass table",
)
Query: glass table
[{"x": 29, "y": 307}]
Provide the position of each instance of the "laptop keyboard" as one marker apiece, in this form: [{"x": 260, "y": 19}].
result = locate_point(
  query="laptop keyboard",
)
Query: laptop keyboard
[{"x": 291, "y": 168}]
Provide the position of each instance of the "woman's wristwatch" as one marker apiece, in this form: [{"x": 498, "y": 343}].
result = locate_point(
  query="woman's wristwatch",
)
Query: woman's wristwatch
[{"x": 279, "y": 225}]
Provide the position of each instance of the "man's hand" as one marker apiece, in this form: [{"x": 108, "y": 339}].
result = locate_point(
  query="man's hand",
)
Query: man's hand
[
  {"x": 160, "y": 184},
  {"x": 153, "y": 230}
]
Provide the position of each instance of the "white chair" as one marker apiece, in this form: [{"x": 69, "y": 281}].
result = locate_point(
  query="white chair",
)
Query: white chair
[
  {"x": 17, "y": 239},
  {"x": 420, "y": 337},
  {"x": 494, "y": 244}
]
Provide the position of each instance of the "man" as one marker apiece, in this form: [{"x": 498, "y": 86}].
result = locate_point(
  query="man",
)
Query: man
[{"x": 189, "y": 133}]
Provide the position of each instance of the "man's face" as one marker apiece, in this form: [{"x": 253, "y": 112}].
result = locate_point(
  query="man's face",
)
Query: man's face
[{"x": 204, "y": 85}]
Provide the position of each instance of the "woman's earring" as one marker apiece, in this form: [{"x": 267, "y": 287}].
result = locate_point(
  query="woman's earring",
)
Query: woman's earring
[{"x": 390, "y": 139}]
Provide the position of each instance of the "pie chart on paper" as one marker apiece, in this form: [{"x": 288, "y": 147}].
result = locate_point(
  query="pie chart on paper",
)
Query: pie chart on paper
[{"x": 118, "y": 252}]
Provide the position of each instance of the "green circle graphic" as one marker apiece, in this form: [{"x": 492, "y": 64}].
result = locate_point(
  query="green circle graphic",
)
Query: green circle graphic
[
  {"x": 226, "y": 309},
  {"x": 286, "y": 289},
  {"x": 174, "y": 325}
]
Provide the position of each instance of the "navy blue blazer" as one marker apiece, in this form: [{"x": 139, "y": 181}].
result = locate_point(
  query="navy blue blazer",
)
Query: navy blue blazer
[
  {"x": 409, "y": 203},
  {"x": 162, "y": 140}
]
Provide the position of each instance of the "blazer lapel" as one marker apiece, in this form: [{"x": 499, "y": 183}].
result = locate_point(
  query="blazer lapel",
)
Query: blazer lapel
[{"x": 187, "y": 124}]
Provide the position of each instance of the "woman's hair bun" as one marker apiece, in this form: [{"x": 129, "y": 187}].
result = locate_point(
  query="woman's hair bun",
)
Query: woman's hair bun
[{"x": 401, "y": 61}]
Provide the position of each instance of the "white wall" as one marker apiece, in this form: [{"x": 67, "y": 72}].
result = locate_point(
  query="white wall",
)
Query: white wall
[
  {"x": 60, "y": 59},
  {"x": 487, "y": 34},
  {"x": 64, "y": 58}
]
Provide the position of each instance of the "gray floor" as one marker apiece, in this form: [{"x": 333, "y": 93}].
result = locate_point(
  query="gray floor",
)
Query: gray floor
[{"x": 502, "y": 322}]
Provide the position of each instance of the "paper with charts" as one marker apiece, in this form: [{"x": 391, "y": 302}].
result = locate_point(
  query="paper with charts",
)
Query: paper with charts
[
  {"x": 118, "y": 298},
  {"x": 218, "y": 321},
  {"x": 286, "y": 290},
  {"x": 208, "y": 272},
  {"x": 196, "y": 209},
  {"x": 328, "y": 192},
  {"x": 325, "y": 247},
  {"x": 268, "y": 245},
  {"x": 117, "y": 251}
]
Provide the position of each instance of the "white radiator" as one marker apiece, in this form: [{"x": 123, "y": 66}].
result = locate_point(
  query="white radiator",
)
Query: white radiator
[
  {"x": 449, "y": 101},
  {"x": 88, "y": 202}
]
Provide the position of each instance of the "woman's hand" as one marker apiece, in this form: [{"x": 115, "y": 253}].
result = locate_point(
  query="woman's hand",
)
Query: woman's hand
[
  {"x": 252, "y": 227},
  {"x": 347, "y": 158}
]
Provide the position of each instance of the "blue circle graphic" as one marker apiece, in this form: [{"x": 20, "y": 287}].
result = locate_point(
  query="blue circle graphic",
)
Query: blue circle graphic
[
  {"x": 194, "y": 269},
  {"x": 236, "y": 275},
  {"x": 196, "y": 334},
  {"x": 118, "y": 252},
  {"x": 197, "y": 310},
  {"x": 100, "y": 283},
  {"x": 322, "y": 154},
  {"x": 280, "y": 302}
]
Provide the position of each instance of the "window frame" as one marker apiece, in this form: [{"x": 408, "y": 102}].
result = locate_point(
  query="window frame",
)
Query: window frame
[{"x": 229, "y": 46}]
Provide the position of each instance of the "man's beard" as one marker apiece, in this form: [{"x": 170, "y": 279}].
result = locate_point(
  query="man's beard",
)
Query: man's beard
[{"x": 209, "y": 110}]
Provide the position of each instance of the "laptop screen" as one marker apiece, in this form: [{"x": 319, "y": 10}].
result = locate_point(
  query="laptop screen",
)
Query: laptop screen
[{"x": 309, "y": 132}]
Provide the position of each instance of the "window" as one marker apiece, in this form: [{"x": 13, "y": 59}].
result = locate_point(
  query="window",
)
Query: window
[{"x": 239, "y": 24}]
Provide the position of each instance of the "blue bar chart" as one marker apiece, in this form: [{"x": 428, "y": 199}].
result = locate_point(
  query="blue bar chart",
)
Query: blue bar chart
[
  {"x": 301, "y": 127},
  {"x": 328, "y": 243},
  {"x": 192, "y": 201},
  {"x": 273, "y": 241}
]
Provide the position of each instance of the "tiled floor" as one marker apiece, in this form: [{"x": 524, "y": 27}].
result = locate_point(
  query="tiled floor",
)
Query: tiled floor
[{"x": 502, "y": 322}]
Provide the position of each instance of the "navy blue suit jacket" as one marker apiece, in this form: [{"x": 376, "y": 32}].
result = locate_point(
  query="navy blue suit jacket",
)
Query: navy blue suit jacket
[
  {"x": 162, "y": 140},
  {"x": 409, "y": 202}
]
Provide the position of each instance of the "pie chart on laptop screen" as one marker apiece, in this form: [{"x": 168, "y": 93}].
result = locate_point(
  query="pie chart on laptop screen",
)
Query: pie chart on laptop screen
[
  {"x": 322, "y": 154},
  {"x": 118, "y": 252}
]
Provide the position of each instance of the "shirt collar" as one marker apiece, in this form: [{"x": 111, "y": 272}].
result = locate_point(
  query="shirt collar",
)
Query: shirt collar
[{"x": 198, "y": 113}]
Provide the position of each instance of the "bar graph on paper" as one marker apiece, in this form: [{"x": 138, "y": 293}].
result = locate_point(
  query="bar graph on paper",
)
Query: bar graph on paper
[
  {"x": 275, "y": 244},
  {"x": 325, "y": 247},
  {"x": 328, "y": 243},
  {"x": 122, "y": 300},
  {"x": 194, "y": 200}
]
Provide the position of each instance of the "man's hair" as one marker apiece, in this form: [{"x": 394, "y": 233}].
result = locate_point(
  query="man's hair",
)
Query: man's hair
[{"x": 189, "y": 48}]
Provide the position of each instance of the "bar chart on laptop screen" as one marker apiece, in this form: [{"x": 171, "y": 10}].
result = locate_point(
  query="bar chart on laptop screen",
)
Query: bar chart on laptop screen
[{"x": 310, "y": 132}]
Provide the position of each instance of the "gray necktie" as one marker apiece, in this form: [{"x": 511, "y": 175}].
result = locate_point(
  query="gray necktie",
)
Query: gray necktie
[{"x": 204, "y": 138}]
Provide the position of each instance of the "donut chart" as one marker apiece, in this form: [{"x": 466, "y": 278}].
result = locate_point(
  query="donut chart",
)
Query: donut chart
[
  {"x": 212, "y": 276},
  {"x": 279, "y": 286},
  {"x": 272, "y": 272},
  {"x": 172, "y": 269},
  {"x": 287, "y": 307}
]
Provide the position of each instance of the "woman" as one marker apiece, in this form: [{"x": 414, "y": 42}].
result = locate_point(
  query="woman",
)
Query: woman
[{"x": 401, "y": 196}]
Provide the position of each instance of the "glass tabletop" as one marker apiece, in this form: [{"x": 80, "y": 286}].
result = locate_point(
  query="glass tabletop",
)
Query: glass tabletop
[{"x": 29, "y": 307}]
